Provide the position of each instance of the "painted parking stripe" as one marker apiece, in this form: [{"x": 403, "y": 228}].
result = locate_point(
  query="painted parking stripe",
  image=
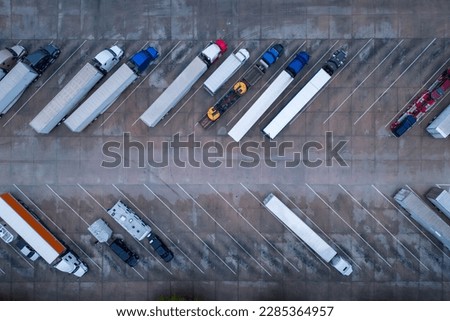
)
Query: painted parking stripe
[
  {"x": 256, "y": 94},
  {"x": 342, "y": 219},
  {"x": 65, "y": 234},
  {"x": 273, "y": 246},
  {"x": 223, "y": 229},
  {"x": 70, "y": 207},
  {"x": 384, "y": 227},
  {"x": 2, "y": 271},
  {"x": 192, "y": 231},
  {"x": 393, "y": 83},
  {"x": 92, "y": 197},
  {"x": 409, "y": 220},
  {"x": 364, "y": 80},
  {"x": 48, "y": 79},
  {"x": 318, "y": 227},
  {"x": 142, "y": 277},
  {"x": 417, "y": 92}
]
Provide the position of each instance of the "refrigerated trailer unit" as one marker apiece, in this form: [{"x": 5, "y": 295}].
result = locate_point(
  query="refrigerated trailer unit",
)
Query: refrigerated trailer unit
[
  {"x": 76, "y": 89},
  {"x": 269, "y": 96},
  {"x": 305, "y": 95},
  {"x": 440, "y": 127},
  {"x": 110, "y": 90},
  {"x": 34, "y": 233},
  {"x": 306, "y": 234},
  {"x": 424, "y": 215},
  {"x": 183, "y": 83},
  {"x": 441, "y": 199}
]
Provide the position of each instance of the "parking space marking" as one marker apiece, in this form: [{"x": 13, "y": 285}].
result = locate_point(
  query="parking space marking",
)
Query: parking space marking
[
  {"x": 318, "y": 227},
  {"x": 393, "y": 83},
  {"x": 417, "y": 92},
  {"x": 92, "y": 197},
  {"x": 276, "y": 73},
  {"x": 142, "y": 245},
  {"x": 384, "y": 227},
  {"x": 191, "y": 230},
  {"x": 140, "y": 83},
  {"x": 342, "y": 219},
  {"x": 62, "y": 200},
  {"x": 223, "y": 229},
  {"x": 64, "y": 233},
  {"x": 364, "y": 80},
  {"x": 138, "y": 273},
  {"x": 409, "y": 220},
  {"x": 265, "y": 207},
  {"x": 2, "y": 271},
  {"x": 48, "y": 79}
]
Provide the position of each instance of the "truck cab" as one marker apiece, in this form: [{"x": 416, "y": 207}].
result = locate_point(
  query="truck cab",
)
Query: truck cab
[
  {"x": 213, "y": 51},
  {"x": 108, "y": 58},
  {"x": 70, "y": 263},
  {"x": 142, "y": 59},
  {"x": 341, "y": 265},
  {"x": 271, "y": 55},
  {"x": 9, "y": 57},
  {"x": 42, "y": 58}
]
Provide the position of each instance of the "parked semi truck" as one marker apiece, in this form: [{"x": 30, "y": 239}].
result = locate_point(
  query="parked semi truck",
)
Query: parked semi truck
[
  {"x": 56, "y": 111},
  {"x": 9, "y": 57},
  {"x": 110, "y": 90},
  {"x": 305, "y": 95},
  {"x": 129, "y": 220},
  {"x": 306, "y": 234},
  {"x": 225, "y": 71},
  {"x": 426, "y": 101},
  {"x": 240, "y": 88},
  {"x": 441, "y": 199},
  {"x": 426, "y": 217},
  {"x": 38, "y": 237},
  {"x": 268, "y": 97},
  {"x": 13, "y": 85},
  {"x": 183, "y": 83},
  {"x": 440, "y": 126}
]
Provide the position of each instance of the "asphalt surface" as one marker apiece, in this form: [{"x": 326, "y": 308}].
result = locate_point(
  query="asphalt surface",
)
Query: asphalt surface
[{"x": 227, "y": 246}]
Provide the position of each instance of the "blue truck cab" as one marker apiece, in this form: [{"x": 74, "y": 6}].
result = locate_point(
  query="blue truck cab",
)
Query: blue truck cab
[
  {"x": 142, "y": 59},
  {"x": 403, "y": 126},
  {"x": 296, "y": 65},
  {"x": 271, "y": 55}
]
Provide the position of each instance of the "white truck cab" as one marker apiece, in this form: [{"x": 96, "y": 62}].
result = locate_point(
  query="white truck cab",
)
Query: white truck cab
[{"x": 108, "y": 58}]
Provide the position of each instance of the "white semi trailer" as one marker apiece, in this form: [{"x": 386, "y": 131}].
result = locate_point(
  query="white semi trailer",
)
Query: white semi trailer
[
  {"x": 38, "y": 237},
  {"x": 440, "y": 127},
  {"x": 306, "y": 234},
  {"x": 76, "y": 89},
  {"x": 110, "y": 90},
  {"x": 441, "y": 199},
  {"x": 183, "y": 83},
  {"x": 424, "y": 215}
]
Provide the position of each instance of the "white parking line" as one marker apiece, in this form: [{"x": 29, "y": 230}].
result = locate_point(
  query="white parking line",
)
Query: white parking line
[
  {"x": 154, "y": 225},
  {"x": 192, "y": 231},
  {"x": 384, "y": 227},
  {"x": 65, "y": 234},
  {"x": 138, "y": 273},
  {"x": 62, "y": 200},
  {"x": 393, "y": 83},
  {"x": 342, "y": 219},
  {"x": 2, "y": 271},
  {"x": 223, "y": 229},
  {"x": 318, "y": 227},
  {"x": 417, "y": 92},
  {"x": 364, "y": 80},
  {"x": 409, "y": 220},
  {"x": 92, "y": 197},
  {"x": 262, "y": 87},
  {"x": 48, "y": 79}
]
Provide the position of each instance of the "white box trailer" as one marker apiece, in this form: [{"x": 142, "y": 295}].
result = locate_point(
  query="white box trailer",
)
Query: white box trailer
[
  {"x": 100, "y": 230},
  {"x": 440, "y": 127},
  {"x": 306, "y": 234},
  {"x": 441, "y": 199},
  {"x": 75, "y": 90},
  {"x": 14, "y": 84},
  {"x": 297, "y": 103},
  {"x": 129, "y": 220},
  {"x": 101, "y": 99},
  {"x": 27, "y": 226},
  {"x": 183, "y": 83},
  {"x": 225, "y": 71},
  {"x": 424, "y": 215},
  {"x": 260, "y": 106}
]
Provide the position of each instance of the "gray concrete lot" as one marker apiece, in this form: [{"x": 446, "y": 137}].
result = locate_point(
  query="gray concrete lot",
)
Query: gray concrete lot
[{"x": 227, "y": 246}]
